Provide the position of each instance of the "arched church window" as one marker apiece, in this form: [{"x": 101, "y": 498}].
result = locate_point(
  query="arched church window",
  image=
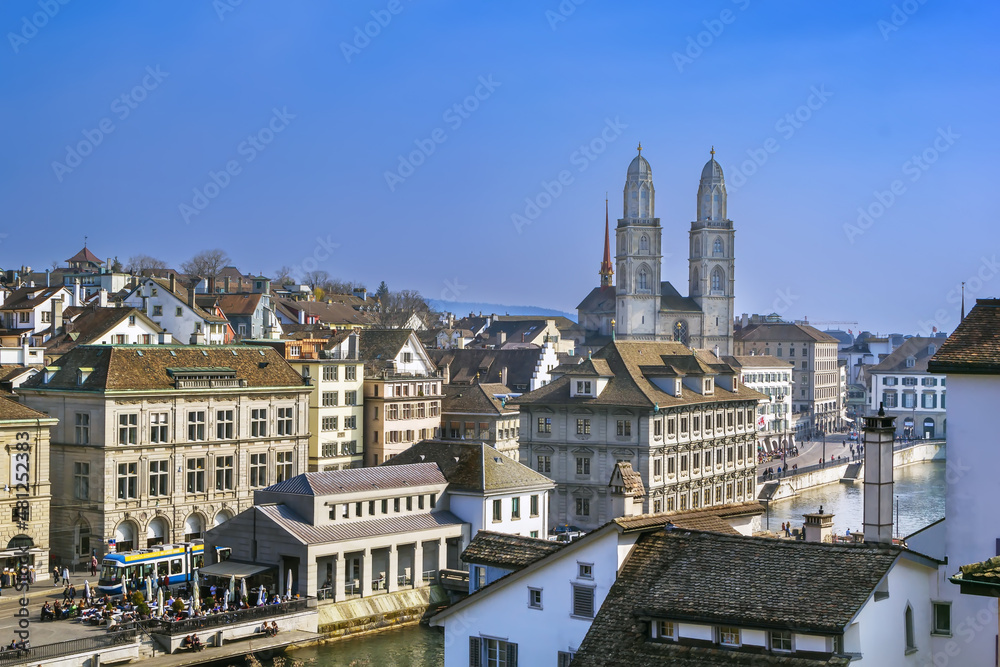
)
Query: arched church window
[
  {"x": 644, "y": 203},
  {"x": 717, "y": 248},
  {"x": 644, "y": 244},
  {"x": 642, "y": 281},
  {"x": 681, "y": 331},
  {"x": 717, "y": 280}
]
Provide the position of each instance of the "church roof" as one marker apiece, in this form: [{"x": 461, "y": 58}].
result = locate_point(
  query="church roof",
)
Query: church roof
[
  {"x": 974, "y": 347},
  {"x": 600, "y": 300},
  {"x": 671, "y": 299},
  {"x": 85, "y": 256},
  {"x": 639, "y": 167},
  {"x": 712, "y": 171}
]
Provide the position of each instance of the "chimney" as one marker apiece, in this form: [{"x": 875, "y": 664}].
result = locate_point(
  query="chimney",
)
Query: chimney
[
  {"x": 211, "y": 286},
  {"x": 878, "y": 437},
  {"x": 57, "y": 318},
  {"x": 229, "y": 289},
  {"x": 503, "y": 376},
  {"x": 191, "y": 297},
  {"x": 501, "y": 338},
  {"x": 173, "y": 282},
  {"x": 76, "y": 293},
  {"x": 447, "y": 373},
  {"x": 161, "y": 337},
  {"x": 102, "y": 298},
  {"x": 302, "y": 315},
  {"x": 818, "y": 527},
  {"x": 48, "y": 278}
]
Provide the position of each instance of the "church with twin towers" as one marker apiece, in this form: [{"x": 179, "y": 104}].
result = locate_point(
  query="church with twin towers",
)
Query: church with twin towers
[{"x": 637, "y": 304}]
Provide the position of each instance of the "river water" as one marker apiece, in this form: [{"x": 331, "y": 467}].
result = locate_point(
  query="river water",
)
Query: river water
[{"x": 920, "y": 489}]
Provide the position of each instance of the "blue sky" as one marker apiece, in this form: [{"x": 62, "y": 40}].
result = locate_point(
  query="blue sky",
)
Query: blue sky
[{"x": 269, "y": 129}]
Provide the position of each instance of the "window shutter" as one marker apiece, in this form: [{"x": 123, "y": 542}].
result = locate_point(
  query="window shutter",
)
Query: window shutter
[
  {"x": 475, "y": 652},
  {"x": 511, "y": 655},
  {"x": 583, "y": 601}
]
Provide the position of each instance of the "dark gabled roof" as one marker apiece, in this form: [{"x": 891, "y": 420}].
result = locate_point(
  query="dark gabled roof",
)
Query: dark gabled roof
[
  {"x": 782, "y": 331},
  {"x": 25, "y": 298},
  {"x": 701, "y": 577},
  {"x": 658, "y": 654},
  {"x": 381, "y": 345},
  {"x": 89, "y": 325},
  {"x": 9, "y": 372},
  {"x": 85, "y": 256},
  {"x": 335, "y": 482},
  {"x": 307, "y": 533},
  {"x": 918, "y": 348},
  {"x": 671, "y": 299},
  {"x": 974, "y": 347},
  {"x": 757, "y": 361},
  {"x": 632, "y": 363},
  {"x": 631, "y": 480},
  {"x": 465, "y": 364},
  {"x": 329, "y": 313},
  {"x": 144, "y": 367},
  {"x": 472, "y": 466},
  {"x": 476, "y": 399},
  {"x": 600, "y": 300},
  {"x": 510, "y": 552},
  {"x": 11, "y": 410},
  {"x": 712, "y": 519},
  {"x": 244, "y": 304}
]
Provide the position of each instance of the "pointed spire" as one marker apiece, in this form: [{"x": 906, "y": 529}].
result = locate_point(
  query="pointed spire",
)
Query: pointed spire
[
  {"x": 712, "y": 152},
  {"x": 963, "y": 302},
  {"x": 606, "y": 269},
  {"x": 640, "y": 148}
]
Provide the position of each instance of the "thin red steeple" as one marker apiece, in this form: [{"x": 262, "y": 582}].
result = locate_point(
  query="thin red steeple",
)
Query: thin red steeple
[{"x": 606, "y": 269}]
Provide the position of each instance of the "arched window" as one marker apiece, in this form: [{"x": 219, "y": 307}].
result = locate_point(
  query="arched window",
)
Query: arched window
[
  {"x": 911, "y": 642},
  {"x": 681, "y": 331},
  {"x": 717, "y": 280},
  {"x": 644, "y": 244},
  {"x": 642, "y": 280},
  {"x": 717, "y": 248}
]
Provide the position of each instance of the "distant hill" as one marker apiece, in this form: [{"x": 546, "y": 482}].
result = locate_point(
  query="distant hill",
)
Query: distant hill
[{"x": 463, "y": 308}]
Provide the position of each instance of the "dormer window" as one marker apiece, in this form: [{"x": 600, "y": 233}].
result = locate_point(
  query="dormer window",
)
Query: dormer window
[
  {"x": 584, "y": 387},
  {"x": 910, "y": 362},
  {"x": 708, "y": 386}
]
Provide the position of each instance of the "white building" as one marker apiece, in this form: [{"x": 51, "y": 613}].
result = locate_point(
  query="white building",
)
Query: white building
[
  {"x": 773, "y": 378},
  {"x": 902, "y": 384},
  {"x": 28, "y": 310},
  {"x": 174, "y": 308}
]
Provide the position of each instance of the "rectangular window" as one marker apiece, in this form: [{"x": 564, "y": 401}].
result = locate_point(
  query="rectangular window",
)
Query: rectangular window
[
  {"x": 128, "y": 429},
  {"x": 329, "y": 373},
  {"x": 329, "y": 424},
  {"x": 657, "y": 428},
  {"x": 128, "y": 481},
  {"x": 583, "y": 427},
  {"x": 329, "y": 399},
  {"x": 657, "y": 467},
  {"x": 583, "y": 387},
  {"x": 350, "y": 373},
  {"x": 624, "y": 427},
  {"x": 351, "y": 422},
  {"x": 781, "y": 640},
  {"x": 515, "y": 508},
  {"x": 158, "y": 478},
  {"x": 684, "y": 462},
  {"x": 82, "y": 428},
  {"x": 535, "y": 598},
  {"x": 534, "y": 505},
  {"x": 350, "y": 398},
  {"x": 258, "y": 422},
  {"x": 157, "y": 311},
  {"x": 545, "y": 425},
  {"x": 942, "y": 618},
  {"x": 223, "y": 473},
  {"x": 81, "y": 480},
  {"x": 258, "y": 469},
  {"x": 670, "y": 466},
  {"x": 179, "y": 311},
  {"x": 582, "y": 507},
  {"x": 196, "y": 425},
  {"x": 158, "y": 427},
  {"x": 196, "y": 475},
  {"x": 497, "y": 510},
  {"x": 729, "y": 635},
  {"x": 582, "y": 465},
  {"x": 544, "y": 464},
  {"x": 285, "y": 421},
  {"x": 224, "y": 424},
  {"x": 585, "y": 570},
  {"x": 583, "y": 601},
  {"x": 283, "y": 468}
]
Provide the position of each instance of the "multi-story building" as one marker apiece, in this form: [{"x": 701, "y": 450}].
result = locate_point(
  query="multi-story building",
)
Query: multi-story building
[
  {"x": 480, "y": 412},
  {"x": 682, "y": 418},
  {"x": 336, "y": 403},
  {"x": 175, "y": 308},
  {"x": 402, "y": 393},
  {"x": 156, "y": 443},
  {"x": 524, "y": 369},
  {"x": 28, "y": 310},
  {"x": 773, "y": 378},
  {"x": 24, "y": 512},
  {"x": 819, "y": 395},
  {"x": 902, "y": 384}
]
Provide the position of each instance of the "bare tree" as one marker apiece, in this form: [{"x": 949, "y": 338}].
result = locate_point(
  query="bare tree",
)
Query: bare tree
[
  {"x": 344, "y": 286},
  {"x": 283, "y": 276},
  {"x": 137, "y": 263},
  {"x": 207, "y": 263},
  {"x": 396, "y": 308},
  {"x": 316, "y": 278}
]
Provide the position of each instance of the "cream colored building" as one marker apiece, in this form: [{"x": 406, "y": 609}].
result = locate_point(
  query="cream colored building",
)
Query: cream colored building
[
  {"x": 157, "y": 443},
  {"x": 24, "y": 508}
]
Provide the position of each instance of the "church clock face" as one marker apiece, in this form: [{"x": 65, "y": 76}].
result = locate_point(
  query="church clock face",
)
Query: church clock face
[{"x": 681, "y": 331}]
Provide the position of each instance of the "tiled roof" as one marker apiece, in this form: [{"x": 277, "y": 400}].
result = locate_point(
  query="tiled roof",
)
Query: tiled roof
[
  {"x": 632, "y": 362},
  {"x": 334, "y": 482},
  {"x": 89, "y": 325},
  {"x": 631, "y": 480},
  {"x": 671, "y": 300},
  {"x": 10, "y": 372},
  {"x": 918, "y": 348},
  {"x": 24, "y": 298},
  {"x": 712, "y": 519},
  {"x": 783, "y": 331},
  {"x": 656, "y": 654},
  {"x": 144, "y": 367},
  {"x": 511, "y": 552},
  {"x": 465, "y": 364},
  {"x": 974, "y": 347},
  {"x": 329, "y": 313},
  {"x": 757, "y": 361},
  {"x": 986, "y": 572},
  {"x": 306, "y": 533},
  {"x": 12, "y": 411},
  {"x": 472, "y": 466},
  {"x": 476, "y": 399},
  {"x": 233, "y": 304},
  {"x": 85, "y": 256},
  {"x": 381, "y": 345}
]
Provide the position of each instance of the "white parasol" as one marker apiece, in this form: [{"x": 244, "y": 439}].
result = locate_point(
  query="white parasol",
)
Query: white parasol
[
  {"x": 149, "y": 588},
  {"x": 232, "y": 588},
  {"x": 196, "y": 594},
  {"x": 288, "y": 584},
  {"x": 86, "y": 589},
  {"x": 262, "y": 596},
  {"x": 243, "y": 588},
  {"x": 159, "y": 599}
]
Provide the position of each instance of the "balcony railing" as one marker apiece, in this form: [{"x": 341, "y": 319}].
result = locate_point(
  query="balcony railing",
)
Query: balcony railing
[
  {"x": 222, "y": 383},
  {"x": 189, "y": 625},
  {"x": 88, "y": 645}
]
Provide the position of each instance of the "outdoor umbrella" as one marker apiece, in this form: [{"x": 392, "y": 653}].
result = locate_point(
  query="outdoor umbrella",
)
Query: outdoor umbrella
[
  {"x": 196, "y": 595},
  {"x": 149, "y": 588},
  {"x": 86, "y": 589},
  {"x": 288, "y": 584},
  {"x": 124, "y": 587},
  {"x": 262, "y": 597},
  {"x": 232, "y": 588},
  {"x": 225, "y": 603},
  {"x": 159, "y": 599},
  {"x": 243, "y": 588}
]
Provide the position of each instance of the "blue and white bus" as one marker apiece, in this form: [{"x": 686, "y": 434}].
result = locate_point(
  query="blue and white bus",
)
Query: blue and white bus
[{"x": 178, "y": 561}]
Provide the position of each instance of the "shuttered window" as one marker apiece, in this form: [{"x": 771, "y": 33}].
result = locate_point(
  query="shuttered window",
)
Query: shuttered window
[
  {"x": 583, "y": 601},
  {"x": 475, "y": 652}
]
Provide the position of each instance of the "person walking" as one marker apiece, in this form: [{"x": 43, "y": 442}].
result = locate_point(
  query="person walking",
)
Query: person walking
[
  {"x": 65, "y": 574},
  {"x": 55, "y": 575},
  {"x": 93, "y": 565}
]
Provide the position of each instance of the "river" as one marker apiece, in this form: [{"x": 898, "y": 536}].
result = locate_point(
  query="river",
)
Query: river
[{"x": 920, "y": 489}]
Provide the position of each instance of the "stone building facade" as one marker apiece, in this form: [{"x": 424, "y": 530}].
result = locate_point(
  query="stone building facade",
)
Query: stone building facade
[{"x": 155, "y": 444}]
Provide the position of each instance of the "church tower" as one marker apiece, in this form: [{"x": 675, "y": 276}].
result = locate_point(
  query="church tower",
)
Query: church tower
[
  {"x": 637, "y": 246},
  {"x": 607, "y": 271},
  {"x": 711, "y": 262}
]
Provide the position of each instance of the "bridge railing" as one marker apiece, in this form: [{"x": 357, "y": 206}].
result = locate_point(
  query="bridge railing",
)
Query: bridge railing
[{"x": 804, "y": 470}]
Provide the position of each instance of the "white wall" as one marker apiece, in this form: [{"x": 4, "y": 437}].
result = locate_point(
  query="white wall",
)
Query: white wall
[
  {"x": 539, "y": 633},
  {"x": 880, "y": 626},
  {"x": 479, "y": 513}
]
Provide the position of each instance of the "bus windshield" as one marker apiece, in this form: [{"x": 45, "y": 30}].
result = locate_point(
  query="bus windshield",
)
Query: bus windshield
[{"x": 110, "y": 573}]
